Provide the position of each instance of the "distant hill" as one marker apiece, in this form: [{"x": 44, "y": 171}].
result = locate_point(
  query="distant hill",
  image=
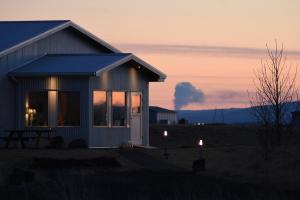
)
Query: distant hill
[{"x": 229, "y": 116}]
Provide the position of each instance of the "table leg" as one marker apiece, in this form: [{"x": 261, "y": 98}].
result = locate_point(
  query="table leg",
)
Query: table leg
[
  {"x": 8, "y": 139},
  {"x": 21, "y": 140},
  {"x": 37, "y": 140}
]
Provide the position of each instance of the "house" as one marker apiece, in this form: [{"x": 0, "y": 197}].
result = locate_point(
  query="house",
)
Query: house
[
  {"x": 158, "y": 115},
  {"x": 296, "y": 118},
  {"x": 57, "y": 74}
]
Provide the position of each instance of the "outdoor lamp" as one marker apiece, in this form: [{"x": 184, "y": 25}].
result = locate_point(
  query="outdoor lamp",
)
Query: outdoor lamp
[
  {"x": 166, "y": 154},
  {"x": 199, "y": 164},
  {"x": 200, "y": 143},
  {"x": 165, "y": 133}
]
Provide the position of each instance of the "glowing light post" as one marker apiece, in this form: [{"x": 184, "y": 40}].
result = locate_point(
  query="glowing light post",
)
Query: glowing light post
[
  {"x": 200, "y": 144},
  {"x": 199, "y": 164},
  {"x": 166, "y": 154}
]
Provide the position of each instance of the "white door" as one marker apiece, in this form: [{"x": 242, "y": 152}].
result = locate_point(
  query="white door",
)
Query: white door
[{"x": 136, "y": 118}]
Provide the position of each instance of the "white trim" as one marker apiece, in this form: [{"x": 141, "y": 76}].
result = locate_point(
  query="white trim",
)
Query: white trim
[
  {"x": 56, "y": 29},
  {"x": 161, "y": 75},
  {"x": 36, "y": 38},
  {"x": 94, "y": 37},
  {"x": 67, "y": 24}
]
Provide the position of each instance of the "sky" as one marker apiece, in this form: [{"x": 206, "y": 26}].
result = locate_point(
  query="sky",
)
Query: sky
[{"x": 215, "y": 45}]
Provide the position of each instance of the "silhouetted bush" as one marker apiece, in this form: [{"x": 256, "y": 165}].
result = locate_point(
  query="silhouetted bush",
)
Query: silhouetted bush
[
  {"x": 77, "y": 144},
  {"x": 183, "y": 121},
  {"x": 56, "y": 142}
]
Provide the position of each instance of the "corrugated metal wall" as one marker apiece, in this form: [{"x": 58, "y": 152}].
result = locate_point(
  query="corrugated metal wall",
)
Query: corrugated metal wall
[
  {"x": 61, "y": 84},
  {"x": 171, "y": 117},
  {"x": 126, "y": 78},
  {"x": 65, "y": 41}
]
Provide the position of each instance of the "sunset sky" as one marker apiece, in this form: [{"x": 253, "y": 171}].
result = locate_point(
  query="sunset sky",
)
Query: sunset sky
[{"x": 214, "y": 44}]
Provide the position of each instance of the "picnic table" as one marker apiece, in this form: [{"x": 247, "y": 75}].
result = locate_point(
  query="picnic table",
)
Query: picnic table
[{"x": 22, "y": 135}]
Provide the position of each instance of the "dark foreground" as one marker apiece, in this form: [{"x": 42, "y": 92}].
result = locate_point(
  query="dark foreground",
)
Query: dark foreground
[
  {"x": 139, "y": 185},
  {"x": 235, "y": 169}
]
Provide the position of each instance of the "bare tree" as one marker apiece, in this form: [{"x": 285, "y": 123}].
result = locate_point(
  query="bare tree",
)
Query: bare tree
[{"x": 275, "y": 91}]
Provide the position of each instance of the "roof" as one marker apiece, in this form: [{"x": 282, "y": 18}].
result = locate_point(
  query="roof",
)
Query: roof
[
  {"x": 77, "y": 64},
  {"x": 16, "y": 34},
  {"x": 68, "y": 64},
  {"x": 161, "y": 110}
]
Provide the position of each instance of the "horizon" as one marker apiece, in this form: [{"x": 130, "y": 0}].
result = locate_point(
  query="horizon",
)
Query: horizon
[{"x": 215, "y": 46}]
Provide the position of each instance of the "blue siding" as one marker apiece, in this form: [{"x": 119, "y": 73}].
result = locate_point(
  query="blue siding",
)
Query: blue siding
[{"x": 65, "y": 41}]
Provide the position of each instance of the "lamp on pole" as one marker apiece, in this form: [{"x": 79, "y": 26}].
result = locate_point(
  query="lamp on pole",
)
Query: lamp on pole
[
  {"x": 165, "y": 135},
  {"x": 199, "y": 164}
]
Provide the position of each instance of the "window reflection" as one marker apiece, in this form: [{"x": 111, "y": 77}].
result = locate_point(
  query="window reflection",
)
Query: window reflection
[
  {"x": 118, "y": 108},
  {"x": 135, "y": 103},
  {"x": 100, "y": 108}
]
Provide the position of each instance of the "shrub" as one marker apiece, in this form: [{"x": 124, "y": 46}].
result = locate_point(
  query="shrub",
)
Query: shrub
[
  {"x": 78, "y": 144},
  {"x": 57, "y": 142}
]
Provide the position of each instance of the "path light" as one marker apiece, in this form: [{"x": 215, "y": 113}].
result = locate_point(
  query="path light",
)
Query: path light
[
  {"x": 165, "y": 133},
  {"x": 166, "y": 154},
  {"x": 200, "y": 143},
  {"x": 199, "y": 164}
]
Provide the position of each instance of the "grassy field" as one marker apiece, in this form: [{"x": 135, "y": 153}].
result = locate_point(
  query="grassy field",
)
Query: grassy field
[
  {"x": 231, "y": 152},
  {"x": 234, "y": 169}
]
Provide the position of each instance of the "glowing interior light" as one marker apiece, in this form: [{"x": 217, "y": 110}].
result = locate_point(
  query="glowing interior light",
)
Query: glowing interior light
[
  {"x": 200, "y": 143},
  {"x": 165, "y": 133}
]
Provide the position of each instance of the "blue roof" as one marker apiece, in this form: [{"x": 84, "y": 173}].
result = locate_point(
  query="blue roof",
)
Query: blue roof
[
  {"x": 16, "y": 32},
  {"x": 68, "y": 64}
]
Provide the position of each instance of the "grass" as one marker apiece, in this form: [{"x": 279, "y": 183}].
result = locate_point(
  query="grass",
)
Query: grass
[
  {"x": 235, "y": 169},
  {"x": 231, "y": 152}
]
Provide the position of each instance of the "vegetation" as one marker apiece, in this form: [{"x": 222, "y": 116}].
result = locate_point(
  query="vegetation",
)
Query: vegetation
[{"x": 275, "y": 92}]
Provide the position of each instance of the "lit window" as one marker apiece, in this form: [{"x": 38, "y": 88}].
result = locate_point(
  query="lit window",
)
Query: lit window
[
  {"x": 135, "y": 103},
  {"x": 36, "y": 113},
  {"x": 68, "y": 109},
  {"x": 118, "y": 108},
  {"x": 100, "y": 108}
]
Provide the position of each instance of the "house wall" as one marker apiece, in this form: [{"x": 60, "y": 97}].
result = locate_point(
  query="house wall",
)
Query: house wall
[
  {"x": 124, "y": 78},
  {"x": 170, "y": 117},
  {"x": 54, "y": 84},
  {"x": 152, "y": 116},
  {"x": 65, "y": 41}
]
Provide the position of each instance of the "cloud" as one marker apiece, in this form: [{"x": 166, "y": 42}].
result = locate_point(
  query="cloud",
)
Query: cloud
[
  {"x": 200, "y": 49},
  {"x": 185, "y": 94}
]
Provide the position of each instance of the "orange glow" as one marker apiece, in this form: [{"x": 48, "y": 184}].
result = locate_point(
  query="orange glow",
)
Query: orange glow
[
  {"x": 118, "y": 98},
  {"x": 245, "y": 24},
  {"x": 135, "y": 103},
  {"x": 99, "y": 97}
]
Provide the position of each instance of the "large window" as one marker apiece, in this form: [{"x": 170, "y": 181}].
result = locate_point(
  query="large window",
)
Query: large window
[
  {"x": 68, "y": 109},
  {"x": 100, "y": 108},
  {"x": 118, "y": 108},
  {"x": 36, "y": 113}
]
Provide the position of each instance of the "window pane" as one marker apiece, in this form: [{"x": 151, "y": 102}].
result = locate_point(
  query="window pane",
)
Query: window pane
[
  {"x": 100, "y": 108},
  {"x": 135, "y": 103},
  {"x": 36, "y": 113},
  {"x": 118, "y": 109},
  {"x": 68, "y": 109}
]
